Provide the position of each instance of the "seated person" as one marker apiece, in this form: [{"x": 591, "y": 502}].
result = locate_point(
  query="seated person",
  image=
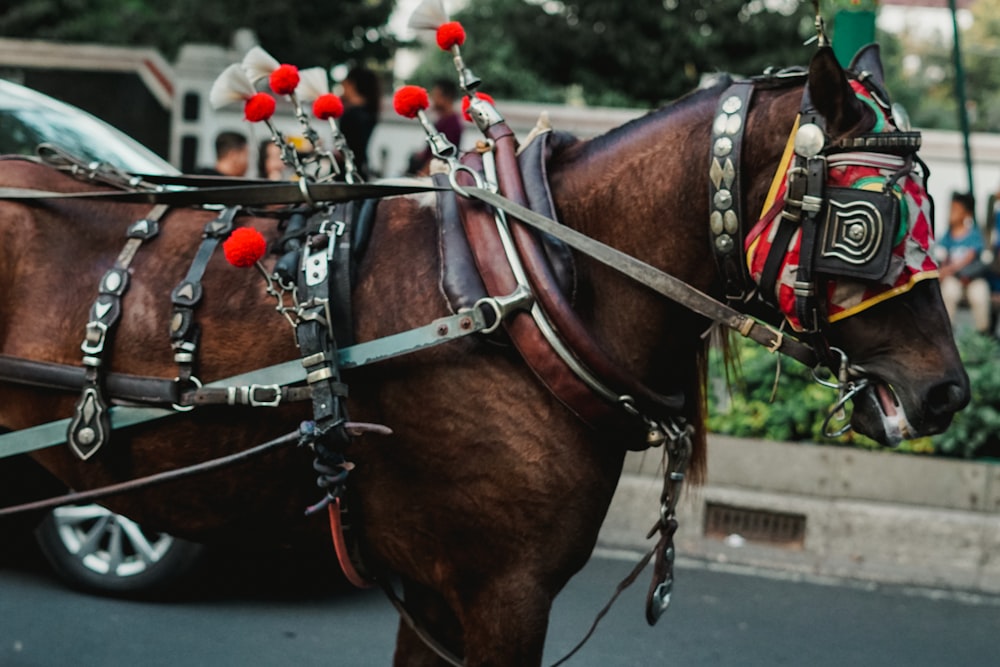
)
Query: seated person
[{"x": 962, "y": 271}]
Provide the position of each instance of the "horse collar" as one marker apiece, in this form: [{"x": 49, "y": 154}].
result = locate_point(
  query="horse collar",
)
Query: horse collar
[{"x": 725, "y": 192}]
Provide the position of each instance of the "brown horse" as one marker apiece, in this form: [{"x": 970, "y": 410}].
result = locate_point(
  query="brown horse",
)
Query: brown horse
[{"x": 490, "y": 493}]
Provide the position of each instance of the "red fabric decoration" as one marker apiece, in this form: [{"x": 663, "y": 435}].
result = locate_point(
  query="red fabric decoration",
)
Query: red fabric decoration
[
  {"x": 259, "y": 107},
  {"x": 466, "y": 102},
  {"x": 284, "y": 79},
  {"x": 450, "y": 34},
  {"x": 244, "y": 247},
  {"x": 408, "y": 100},
  {"x": 328, "y": 106}
]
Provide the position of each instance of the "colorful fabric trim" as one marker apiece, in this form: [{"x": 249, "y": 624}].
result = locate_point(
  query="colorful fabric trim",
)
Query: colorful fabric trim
[{"x": 911, "y": 260}]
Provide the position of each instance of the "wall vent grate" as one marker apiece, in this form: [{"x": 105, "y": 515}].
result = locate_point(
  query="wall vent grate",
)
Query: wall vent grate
[{"x": 753, "y": 525}]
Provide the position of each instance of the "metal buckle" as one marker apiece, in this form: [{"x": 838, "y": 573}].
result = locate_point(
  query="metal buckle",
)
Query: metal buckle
[
  {"x": 257, "y": 403},
  {"x": 95, "y": 348}
]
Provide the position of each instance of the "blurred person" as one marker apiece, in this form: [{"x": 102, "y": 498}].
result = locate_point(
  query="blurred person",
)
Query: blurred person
[
  {"x": 269, "y": 163},
  {"x": 448, "y": 121},
  {"x": 232, "y": 156},
  {"x": 962, "y": 271},
  {"x": 362, "y": 96}
]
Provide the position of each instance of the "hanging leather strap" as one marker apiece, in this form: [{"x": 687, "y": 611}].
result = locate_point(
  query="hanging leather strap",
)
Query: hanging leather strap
[
  {"x": 184, "y": 331},
  {"x": 90, "y": 427}
]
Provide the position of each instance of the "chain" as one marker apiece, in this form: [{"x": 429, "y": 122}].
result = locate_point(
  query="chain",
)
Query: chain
[{"x": 679, "y": 446}]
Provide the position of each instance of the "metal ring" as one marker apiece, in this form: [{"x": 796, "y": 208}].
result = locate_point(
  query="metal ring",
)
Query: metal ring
[
  {"x": 477, "y": 181},
  {"x": 839, "y": 405},
  {"x": 186, "y": 408},
  {"x": 304, "y": 188},
  {"x": 498, "y": 315}
]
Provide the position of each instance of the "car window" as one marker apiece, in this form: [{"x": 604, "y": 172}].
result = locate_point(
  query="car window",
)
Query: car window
[{"x": 28, "y": 118}]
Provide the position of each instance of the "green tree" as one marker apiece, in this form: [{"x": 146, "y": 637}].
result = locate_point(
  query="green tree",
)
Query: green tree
[
  {"x": 981, "y": 47},
  {"x": 920, "y": 75},
  {"x": 303, "y": 33},
  {"x": 616, "y": 53}
]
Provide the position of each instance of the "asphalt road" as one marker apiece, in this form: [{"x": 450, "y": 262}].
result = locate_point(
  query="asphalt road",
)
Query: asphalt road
[{"x": 271, "y": 611}]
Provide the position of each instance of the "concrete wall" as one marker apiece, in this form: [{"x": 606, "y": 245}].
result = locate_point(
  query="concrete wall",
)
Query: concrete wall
[{"x": 878, "y": 516}]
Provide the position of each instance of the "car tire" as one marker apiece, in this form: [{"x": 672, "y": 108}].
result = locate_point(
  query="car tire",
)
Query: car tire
[{"x": 96, "y": 550}]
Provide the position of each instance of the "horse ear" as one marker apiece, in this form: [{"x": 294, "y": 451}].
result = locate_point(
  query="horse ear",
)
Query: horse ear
[
  {"x": 831, "y": 95},
  {"x": 869, "y": 59}
]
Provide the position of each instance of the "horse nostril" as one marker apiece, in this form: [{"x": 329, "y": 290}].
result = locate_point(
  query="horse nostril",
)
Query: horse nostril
[{"x": 947, "y": 398}]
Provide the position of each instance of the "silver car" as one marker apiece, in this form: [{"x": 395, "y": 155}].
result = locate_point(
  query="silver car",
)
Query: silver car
[{"x": 87, "y": 545}]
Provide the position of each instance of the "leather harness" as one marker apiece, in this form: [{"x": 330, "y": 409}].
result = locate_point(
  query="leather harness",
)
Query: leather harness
[{"x": 498, "y": 214}]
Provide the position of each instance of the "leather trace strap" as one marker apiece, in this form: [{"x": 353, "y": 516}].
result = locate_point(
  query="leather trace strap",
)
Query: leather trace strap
[
  {"x": 659, "y": 281},
  {"x": 90, "y": 427},
  {"x": 184, "y": 331}
]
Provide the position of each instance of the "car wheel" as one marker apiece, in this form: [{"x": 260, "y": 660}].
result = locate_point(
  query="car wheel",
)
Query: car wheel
[{"x": 97, "y": 550}]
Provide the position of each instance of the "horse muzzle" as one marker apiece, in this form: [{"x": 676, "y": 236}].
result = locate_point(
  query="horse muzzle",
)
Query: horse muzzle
[{"x": 890, "y": 413}]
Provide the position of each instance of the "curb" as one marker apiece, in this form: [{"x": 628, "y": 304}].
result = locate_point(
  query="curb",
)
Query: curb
[{"x": 871, "y": 516}]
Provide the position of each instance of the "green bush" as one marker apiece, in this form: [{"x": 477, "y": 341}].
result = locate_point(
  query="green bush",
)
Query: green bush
[
  {"x": 743, "y": 406},
  {"x": 975, "y": 431}
]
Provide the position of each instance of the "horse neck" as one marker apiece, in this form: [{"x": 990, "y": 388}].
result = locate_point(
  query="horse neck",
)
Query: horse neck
[{"x": 643, "y": 188}]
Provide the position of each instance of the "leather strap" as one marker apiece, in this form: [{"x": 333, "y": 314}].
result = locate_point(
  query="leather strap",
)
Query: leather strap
[
  {"x": 659, "y": 281},
  {"x": 184, "y": 331},
  {"x": 498, "y": 277},
  {"x": 90, "y": 427},
  {"x": 255, "y": 194},
  {"x": 553, "y": 301},
  {"x": 726, "y": 220}
]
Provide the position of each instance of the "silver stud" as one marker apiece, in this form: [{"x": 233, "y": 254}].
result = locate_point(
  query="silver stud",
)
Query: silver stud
[
  {"x": 724, "y": 243},
  {"x": 809, "y": 140},
  {"x": 734, "y": 124},
  {"x": 723, "y": 146},
  {"x": 716, "y": 173},
  {"x": 731, "y": 223},
  {"x": 85, "y": 435},
  {"x": 723, "y": 199},
  {"x": 715, "y": 222},
  {"x": 113, "y": 281},
  {"x": 732, "y": 104},
  {"x": 721, "y": 123},
  {"x": 728, "y": 173},
  {"x": 856, "y": 232}
]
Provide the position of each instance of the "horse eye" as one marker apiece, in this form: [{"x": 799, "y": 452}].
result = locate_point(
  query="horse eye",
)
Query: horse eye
[{"x": 900, "y": 118}]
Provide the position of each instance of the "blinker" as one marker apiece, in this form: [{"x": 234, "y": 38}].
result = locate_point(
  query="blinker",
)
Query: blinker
[{"x": 809, "y": 140}]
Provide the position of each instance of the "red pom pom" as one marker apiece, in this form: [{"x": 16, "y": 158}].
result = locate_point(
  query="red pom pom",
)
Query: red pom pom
[
  {"x": 259, "y": 107},
  {"x": 466, "y": 102},
  {"x": 408, "y": 100},
  {"x": 327, "y": 106},
  {"x": 244, "y": 247},
  {"x": 284, "y": 79},
  {"x": 450, "y": 34}
]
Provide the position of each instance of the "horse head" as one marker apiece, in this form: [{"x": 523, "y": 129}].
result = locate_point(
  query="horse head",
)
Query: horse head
[{"x": 844, "y": 254}]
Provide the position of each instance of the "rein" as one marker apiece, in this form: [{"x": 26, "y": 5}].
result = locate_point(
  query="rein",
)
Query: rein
[{"x": 655, "y": 279}]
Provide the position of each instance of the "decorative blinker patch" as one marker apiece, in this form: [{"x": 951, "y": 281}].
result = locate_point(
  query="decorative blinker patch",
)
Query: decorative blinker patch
[{"x": 857, "y": 234}]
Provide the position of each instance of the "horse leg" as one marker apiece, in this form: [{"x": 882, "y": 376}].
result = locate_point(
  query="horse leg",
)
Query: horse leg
[
  {"x": 436, "y": 619},
  {"x": 501, "y": 624},
  {"x": 506, "y": 622}
]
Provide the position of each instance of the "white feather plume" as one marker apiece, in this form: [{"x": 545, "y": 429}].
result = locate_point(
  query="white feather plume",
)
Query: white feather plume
[
  {"x": 429, "y": 15},
  {"x": 231, "y": 86},
  {"x": 313, "y": 82},
  {"x": 259, "y": 64}
]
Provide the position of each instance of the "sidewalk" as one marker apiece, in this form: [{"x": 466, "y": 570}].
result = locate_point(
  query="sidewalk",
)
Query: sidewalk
[{"x": 826, "y": 510}]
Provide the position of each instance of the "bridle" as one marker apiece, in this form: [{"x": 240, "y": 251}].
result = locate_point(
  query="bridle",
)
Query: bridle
[{"x": 841, "y": 232}]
